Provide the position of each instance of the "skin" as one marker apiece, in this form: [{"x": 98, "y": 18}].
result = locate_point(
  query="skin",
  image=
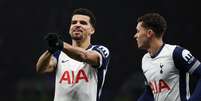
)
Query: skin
[
  {"x": 80, "y": 32},
  {"x": 147, "y": 40}
]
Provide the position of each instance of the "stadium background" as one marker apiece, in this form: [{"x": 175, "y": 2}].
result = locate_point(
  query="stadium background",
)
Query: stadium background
[{"x": 23, "y": 23}]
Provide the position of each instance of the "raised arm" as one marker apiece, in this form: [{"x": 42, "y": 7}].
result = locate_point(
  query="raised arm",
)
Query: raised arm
[
  {"x": 89, "y": 56},
  {"x": 46, "y": 63},
  {"x": 94, "y": 57}
]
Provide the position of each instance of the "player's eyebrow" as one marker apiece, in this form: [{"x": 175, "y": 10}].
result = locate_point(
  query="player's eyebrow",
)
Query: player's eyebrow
[
  {"x": 73, "y": 22},
  {"x": 83, "y": 22}
]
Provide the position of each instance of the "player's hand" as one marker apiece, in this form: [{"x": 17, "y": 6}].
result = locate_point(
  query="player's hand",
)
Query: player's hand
[{"x": 54, "y": 41}]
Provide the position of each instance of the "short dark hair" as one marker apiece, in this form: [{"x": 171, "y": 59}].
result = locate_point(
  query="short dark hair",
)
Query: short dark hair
[
  {"x": 87, "y": 12},
  {"x": 154, "y": 21}
]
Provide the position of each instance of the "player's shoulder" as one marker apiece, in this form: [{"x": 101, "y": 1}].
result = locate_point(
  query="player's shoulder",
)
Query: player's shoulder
[
  {"x": 175, "y": 50},
  {"x": 165, "y": 49},
  {"x": 174, "y": 47},
  {"x": 101, "y": 49},
  {"x": 98, "y": 46},
  {"x": 181, "y": 51},
  {"x": 146, "y": 55},
  {"x": 169, "y": 47}
]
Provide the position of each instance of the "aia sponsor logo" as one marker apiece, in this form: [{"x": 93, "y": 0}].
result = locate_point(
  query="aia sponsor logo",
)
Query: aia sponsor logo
[
  {"x": 71, "y": 78},
  {"x": 160, "y": 86}
]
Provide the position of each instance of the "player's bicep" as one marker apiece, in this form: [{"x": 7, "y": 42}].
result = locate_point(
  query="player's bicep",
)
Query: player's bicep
[
  {"x": 103, "y": 54},
  {"x": 53, "y": 62},
  {"x": 92, "y": 57},
  {"x": 184, "y": 60},
  {"x": 52, "y": 65}
]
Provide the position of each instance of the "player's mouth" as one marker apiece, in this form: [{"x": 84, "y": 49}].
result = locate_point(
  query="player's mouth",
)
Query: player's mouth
[{"x": 77, "y": 30}]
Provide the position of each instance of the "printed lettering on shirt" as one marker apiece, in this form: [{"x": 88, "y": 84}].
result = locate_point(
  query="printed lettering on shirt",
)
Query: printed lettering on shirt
[
  {"x": 104, "y": 51},
  {"x": 70, "y": 77},
  {"x": 158, "y": 87},
  {"x": 187, "y": 56}
]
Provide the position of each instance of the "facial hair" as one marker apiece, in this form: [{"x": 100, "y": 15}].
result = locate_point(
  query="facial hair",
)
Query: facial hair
[{"x": 77, "y": 37}]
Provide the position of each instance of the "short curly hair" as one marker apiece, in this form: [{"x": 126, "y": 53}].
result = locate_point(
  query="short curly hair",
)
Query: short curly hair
[
  {"x": 87, "y": 12},
  {"x": 154, "y": 21}
]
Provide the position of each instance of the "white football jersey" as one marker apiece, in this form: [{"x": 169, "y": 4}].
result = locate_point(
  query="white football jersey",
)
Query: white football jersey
[
  {"x": 167, "y": 73},
  {"x": 80, "y": 81}
]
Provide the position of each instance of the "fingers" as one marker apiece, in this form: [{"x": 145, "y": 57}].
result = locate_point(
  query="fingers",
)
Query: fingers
[{"x": 54, "y": 42}]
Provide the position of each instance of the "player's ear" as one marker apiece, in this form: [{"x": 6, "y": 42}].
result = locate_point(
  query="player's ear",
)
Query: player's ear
[
  {"x": 150, "y": 32},
  {"x": 92, "y": 30}
]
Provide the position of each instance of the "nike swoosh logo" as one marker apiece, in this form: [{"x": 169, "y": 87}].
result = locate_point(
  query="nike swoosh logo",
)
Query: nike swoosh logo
[{"x": 63, "y": 61}]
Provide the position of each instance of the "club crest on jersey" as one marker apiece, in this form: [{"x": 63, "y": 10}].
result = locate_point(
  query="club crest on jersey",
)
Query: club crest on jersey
[
  {"x": 71, "y": 78},
  {"x": 161, "y": 66},
  {"x": 187, "y": 56}
]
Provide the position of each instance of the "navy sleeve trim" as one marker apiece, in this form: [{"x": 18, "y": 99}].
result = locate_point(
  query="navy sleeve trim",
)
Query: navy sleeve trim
[
  {"x": 105, "y": 54},
  {"x": 194, "y": 67},
  {"x": 56, "y": 55},
  {"x": 197, "y": 91},
  {"x": 184, "y": 61}
]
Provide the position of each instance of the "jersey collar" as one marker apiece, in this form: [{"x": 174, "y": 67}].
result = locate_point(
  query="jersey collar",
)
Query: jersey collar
[
  {"x": 89, "y": 47},
  {"x": 158, "y": 51}
]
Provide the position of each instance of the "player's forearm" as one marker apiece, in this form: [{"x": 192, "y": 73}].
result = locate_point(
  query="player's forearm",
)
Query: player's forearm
[
  {"x": 197, "y": 91},
  {"x": 43, "y": 62},
  {"x": 81, "y": 54},
  {"x": 74, "y": 52}
]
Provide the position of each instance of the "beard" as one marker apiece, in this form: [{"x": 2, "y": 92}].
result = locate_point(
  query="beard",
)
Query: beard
[
  {"x": 77, "y": 37},
  {"x": 143, "y": 44}
]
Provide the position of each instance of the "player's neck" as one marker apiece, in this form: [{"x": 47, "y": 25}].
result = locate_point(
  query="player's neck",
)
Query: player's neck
[
  {"x": 155, "y": 46},
  {"x": 82, "y": 44}
]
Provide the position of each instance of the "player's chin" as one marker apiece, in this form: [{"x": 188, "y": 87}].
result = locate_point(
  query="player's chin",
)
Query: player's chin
[
  {"x": 77, "y": 38},
  {"x": 140, "y": 46},
  {"x": 76, "y": 35}
]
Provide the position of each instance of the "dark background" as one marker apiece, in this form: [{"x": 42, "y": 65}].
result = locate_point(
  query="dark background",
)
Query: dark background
[{"x": 23, "y": 23}]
